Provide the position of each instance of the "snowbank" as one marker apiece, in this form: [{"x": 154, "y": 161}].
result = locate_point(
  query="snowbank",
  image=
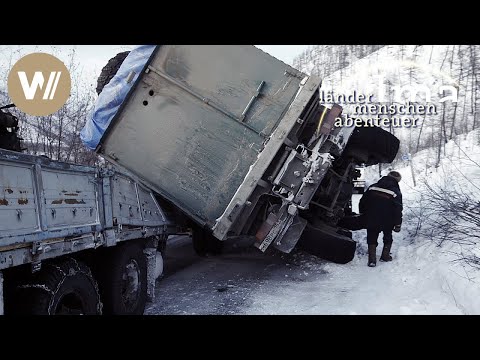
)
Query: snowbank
[
  {"x": 423, "y": 279},
  {"x": 459, "y": 168}
]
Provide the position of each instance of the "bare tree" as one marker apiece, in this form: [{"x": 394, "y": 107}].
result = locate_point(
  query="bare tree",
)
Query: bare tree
[
  {"x": 473, "y": 61},
  {"x": 455, "y": 106},
  {"x": 57, "y": 135},
  {"x": 449, "y": 211}
]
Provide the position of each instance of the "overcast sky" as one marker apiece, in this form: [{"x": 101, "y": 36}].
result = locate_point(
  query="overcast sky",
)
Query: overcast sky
[{"x": 286, "y": 53}]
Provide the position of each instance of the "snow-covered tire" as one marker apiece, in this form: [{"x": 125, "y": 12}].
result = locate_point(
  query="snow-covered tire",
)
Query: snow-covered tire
[
  {"x": 205, "y": 243},
  {"x": 109, "y": 70},
  {"x": 64, "y": 287},
  {"x": 123, "y": 280}
]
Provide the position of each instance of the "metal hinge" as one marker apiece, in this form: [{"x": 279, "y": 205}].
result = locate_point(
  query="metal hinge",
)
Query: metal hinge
[
  {"x": 292, "y": 74},
  {"x": 36, "y": 247}
]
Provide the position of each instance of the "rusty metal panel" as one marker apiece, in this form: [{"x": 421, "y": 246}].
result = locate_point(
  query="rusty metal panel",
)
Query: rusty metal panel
[
  {"x": 70, "y": 198},
  {"x": 198, "y": 119},
  {"x": 18, "y": 208}
]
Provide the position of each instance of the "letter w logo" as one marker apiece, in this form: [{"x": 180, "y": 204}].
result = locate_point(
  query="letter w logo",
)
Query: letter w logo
[{"x": 37, "y": 82}]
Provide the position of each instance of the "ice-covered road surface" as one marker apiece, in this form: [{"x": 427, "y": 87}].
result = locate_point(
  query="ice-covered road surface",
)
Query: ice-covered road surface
[{"x": 244, "y": 281}]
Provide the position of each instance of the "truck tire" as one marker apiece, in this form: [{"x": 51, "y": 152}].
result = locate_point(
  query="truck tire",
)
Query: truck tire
[
  {"x": 205, "y": 243},
  {"x": 372, "y": 145},
  {"x": 109, "y": 70},
  {"x": 66, "y": 287},
  {"x": 123, "y": 280}
]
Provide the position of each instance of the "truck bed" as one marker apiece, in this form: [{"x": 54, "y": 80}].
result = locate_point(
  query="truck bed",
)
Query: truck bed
[{"x": 49, "y": 208}]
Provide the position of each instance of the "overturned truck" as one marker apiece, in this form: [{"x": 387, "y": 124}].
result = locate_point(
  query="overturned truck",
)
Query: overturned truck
[{"x": 236, "y": 143}]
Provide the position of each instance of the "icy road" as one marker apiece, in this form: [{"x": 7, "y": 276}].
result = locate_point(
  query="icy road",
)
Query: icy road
[{"x": 244, "y": 281}]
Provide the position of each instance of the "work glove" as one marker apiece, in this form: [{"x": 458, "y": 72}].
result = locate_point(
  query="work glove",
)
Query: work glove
[{"x": 397, "y": 228}]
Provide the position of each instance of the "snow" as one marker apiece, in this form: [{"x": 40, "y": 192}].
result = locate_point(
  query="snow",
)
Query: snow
[
  {"x": 411, "y": 284},
  {"x": 423, "y": 278}
]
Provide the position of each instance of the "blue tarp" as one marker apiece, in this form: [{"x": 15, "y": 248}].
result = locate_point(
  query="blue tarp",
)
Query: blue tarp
[{"x": 113, "y": 95}]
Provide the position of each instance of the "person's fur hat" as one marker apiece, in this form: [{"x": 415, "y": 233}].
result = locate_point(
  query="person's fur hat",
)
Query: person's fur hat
[{"x": 396, "y": 175}]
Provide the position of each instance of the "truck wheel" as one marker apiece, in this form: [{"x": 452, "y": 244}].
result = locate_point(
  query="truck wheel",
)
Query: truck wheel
[
  {"x": 205, "y": 243},
  {"x": 109, "y": 70},
  {"x": 372, "y": 145},
  {"x": 123, "y": 280},
  {"x": 60, "y": 288}
]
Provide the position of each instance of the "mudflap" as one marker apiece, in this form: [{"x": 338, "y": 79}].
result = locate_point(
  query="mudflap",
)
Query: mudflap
[
  {"x": 326, "y": 243},
  {"x": 287, "y": 242}
]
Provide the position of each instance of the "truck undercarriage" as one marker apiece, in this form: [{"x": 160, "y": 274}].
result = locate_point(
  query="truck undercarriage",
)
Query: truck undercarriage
[{"x": 308, "y": 187}]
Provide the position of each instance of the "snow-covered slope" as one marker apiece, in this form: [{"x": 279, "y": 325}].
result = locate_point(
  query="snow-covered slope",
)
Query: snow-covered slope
[
  {"x": 423, "y": 278},
  {"x": 427, "y": 76},
  {"x": 459, "y": 169}
]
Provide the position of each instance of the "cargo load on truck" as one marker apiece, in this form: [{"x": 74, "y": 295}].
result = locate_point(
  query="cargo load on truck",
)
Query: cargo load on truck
[{"x": 238, "y": 142}]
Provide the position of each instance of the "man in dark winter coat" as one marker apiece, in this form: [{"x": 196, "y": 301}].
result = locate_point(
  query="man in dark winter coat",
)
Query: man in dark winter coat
[{"x": 382, "y": 207}]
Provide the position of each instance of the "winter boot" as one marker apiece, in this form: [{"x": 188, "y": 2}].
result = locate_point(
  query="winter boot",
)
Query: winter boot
[
  {"x": 386, "y": 253},
  {"x": 372, "y": 255}
]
